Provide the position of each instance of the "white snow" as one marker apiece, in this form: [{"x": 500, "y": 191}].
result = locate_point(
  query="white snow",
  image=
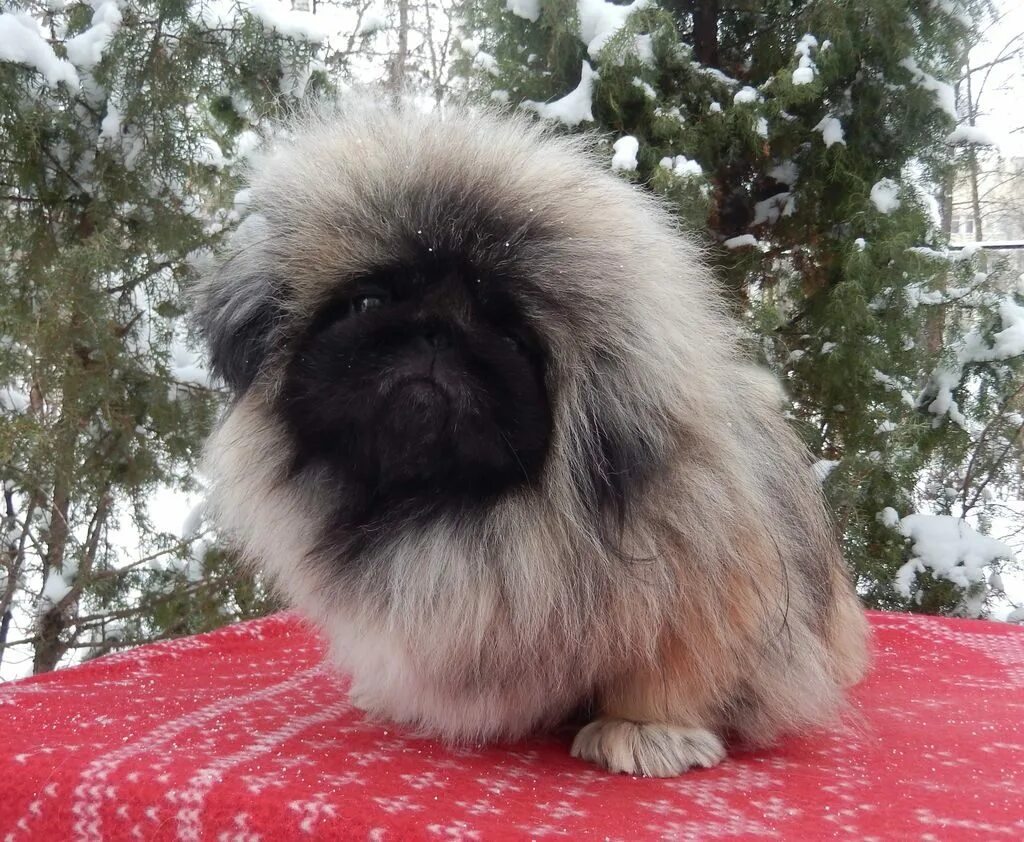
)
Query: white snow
[
  {"x": 625, "y": 153},
  {"x": 860, "y": 244},
  {"x": 246, "y": 143},
  {"x": 944, "y": 93},
  {"x": 485, "y": 61},
  {"x": 280, "y": 17},
  {"x": 86, "y": 49},
  {"x": 806, "y": 69},
  {"x": 186, "y": 364},
  {"x": 781, "y": 204},
  {"x": 644, "y": 47},
  {"x": 746, "y": 94},
  {"x": 831, "y": 131},
  {"x": 949, "y": 548},
  {"x": 54, "y": 589},
  {"x": 529, "y": 9},
  {"x": 803, "y": 76},
  {"x": 742, "y": 241},
  {"x": 971, "y": 134},
  {"x": 682, "y": 166},
  {"x": 1009, "y": 342},
  {"x": 575, "y": 107},
  {"x": 785, "y": 173},
  {"x": 889, "y": 517},
  {"x": 649, "y": 91},
  {"x": 599, "y": 21},
  {"x": 209, "y": 153},
  {"x": 110, "y": 127},
  {"x": 885, "y": 195},
  {"x": 22, "y": 42},
  {"x": 13, "y": 400},
  {"x": 955, "y": 11},
  {"x": 374, "y": 20},
  {"x": 715, "y": 108}
]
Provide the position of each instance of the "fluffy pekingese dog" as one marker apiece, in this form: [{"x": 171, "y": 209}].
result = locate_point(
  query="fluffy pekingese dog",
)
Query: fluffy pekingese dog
[{"x": 492, "y": 432}]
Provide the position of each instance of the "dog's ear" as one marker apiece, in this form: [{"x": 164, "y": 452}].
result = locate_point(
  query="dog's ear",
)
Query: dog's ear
[{"x": 237, "y": 307}]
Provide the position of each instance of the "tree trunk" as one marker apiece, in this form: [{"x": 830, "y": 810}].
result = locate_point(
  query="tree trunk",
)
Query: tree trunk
[
  {"x": 396, "y": 80},
  {"x": 972, "y": 168},
  {"x": 705, "y": 15}
]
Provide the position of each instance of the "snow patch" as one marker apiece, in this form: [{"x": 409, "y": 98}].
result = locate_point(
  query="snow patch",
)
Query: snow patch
[
  {"x": 746, "y": 94},
  {"x": 888, "y": 517},
  {"x": 599, "y": 21},
  {"x": 86, "y": 49},
  {"x": 885, "y": 195},
  {"x": 742, "y": 241},
  {"x": 682, "y": 166},
  {"x": 971, "y": 134},
  {"x": 646, "y": 87},
  {"x": 1007, "y": 343},
  {"x": 374, "y": 20},
  {"x": 944, "y": 94},
  {"x": 625, "y": 153},
  {"x": 644, "y": 47},
  {"x": 785, "y": 173},
  {"x": 281, "y": 18},
  {"x": 54, "y": 590},
  {"x": 781, "y": 204},
  {"x": 22, "y": 42},
  {"x": 949, "y": 548},
  {"x": 806, "y": 68},
  {"x": 13, "y": 400},
  {"x": 528, "y": 9},
  {"x": 831, "y": 131},
  {"x": 575, "y": 107}
]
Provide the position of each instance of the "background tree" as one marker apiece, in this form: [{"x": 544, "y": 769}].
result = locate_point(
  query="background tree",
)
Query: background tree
[
  {"x": 119, "y": 124},
  {"x": 806, "y": 142}
]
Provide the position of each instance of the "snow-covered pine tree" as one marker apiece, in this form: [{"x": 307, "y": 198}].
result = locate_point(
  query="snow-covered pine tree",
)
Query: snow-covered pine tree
[
  {"x": 804, "y": 142},
  {"x": 119, "y": 124}
]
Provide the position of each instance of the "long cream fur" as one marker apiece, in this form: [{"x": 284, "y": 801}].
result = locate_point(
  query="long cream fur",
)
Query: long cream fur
[{"x": 726, "y": 610}]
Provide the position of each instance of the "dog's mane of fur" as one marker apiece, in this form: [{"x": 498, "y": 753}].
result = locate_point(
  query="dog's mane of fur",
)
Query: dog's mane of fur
[{"x": 723, "y": 572}]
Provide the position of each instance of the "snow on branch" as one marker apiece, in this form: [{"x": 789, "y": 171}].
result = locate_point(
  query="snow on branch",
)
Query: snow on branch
[
  {"x": 22, "y": 42},
  {"x": 575, "y": 107},
  {"x": 599, "y": 21},
  {"x": 947, "y": 547}
]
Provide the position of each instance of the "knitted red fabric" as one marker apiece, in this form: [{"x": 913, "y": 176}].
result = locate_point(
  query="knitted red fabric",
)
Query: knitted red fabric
[{"x": 242, "y": 735}]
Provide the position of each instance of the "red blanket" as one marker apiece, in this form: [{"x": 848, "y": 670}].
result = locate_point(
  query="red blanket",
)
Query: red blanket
[{"x": 241, "y": 735}]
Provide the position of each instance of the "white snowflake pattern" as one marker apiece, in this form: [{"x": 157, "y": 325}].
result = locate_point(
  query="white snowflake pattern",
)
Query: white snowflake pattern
[
  {"x": 480, "y": 808},
  {"x": 397, "y": 804},
  {"x": 561, "y": 810},
  {"x": 424, "y": 780},
  {"x": 312, "y": 811},
  {"x": 455, "y": 830}
]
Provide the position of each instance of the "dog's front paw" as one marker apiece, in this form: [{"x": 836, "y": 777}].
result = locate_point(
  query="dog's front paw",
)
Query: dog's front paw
[{"x": 651, "y": 749}]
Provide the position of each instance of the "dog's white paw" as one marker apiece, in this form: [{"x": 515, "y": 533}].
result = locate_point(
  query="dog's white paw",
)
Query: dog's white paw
[{"x": 651, "y": 749}]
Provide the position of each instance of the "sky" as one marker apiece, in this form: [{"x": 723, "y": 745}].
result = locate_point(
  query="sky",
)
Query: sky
[{"x": 1001, "y": 93}]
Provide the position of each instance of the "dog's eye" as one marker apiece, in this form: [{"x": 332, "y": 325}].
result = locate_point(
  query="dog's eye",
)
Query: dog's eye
[{"x": 365, "y": 303}]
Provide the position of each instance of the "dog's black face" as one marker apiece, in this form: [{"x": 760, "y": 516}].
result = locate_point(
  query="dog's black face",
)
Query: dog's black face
[{"x": 421, "y": 384}]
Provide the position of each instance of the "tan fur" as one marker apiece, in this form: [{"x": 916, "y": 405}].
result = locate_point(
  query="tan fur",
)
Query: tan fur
[{"x": 728, "y": 610}]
